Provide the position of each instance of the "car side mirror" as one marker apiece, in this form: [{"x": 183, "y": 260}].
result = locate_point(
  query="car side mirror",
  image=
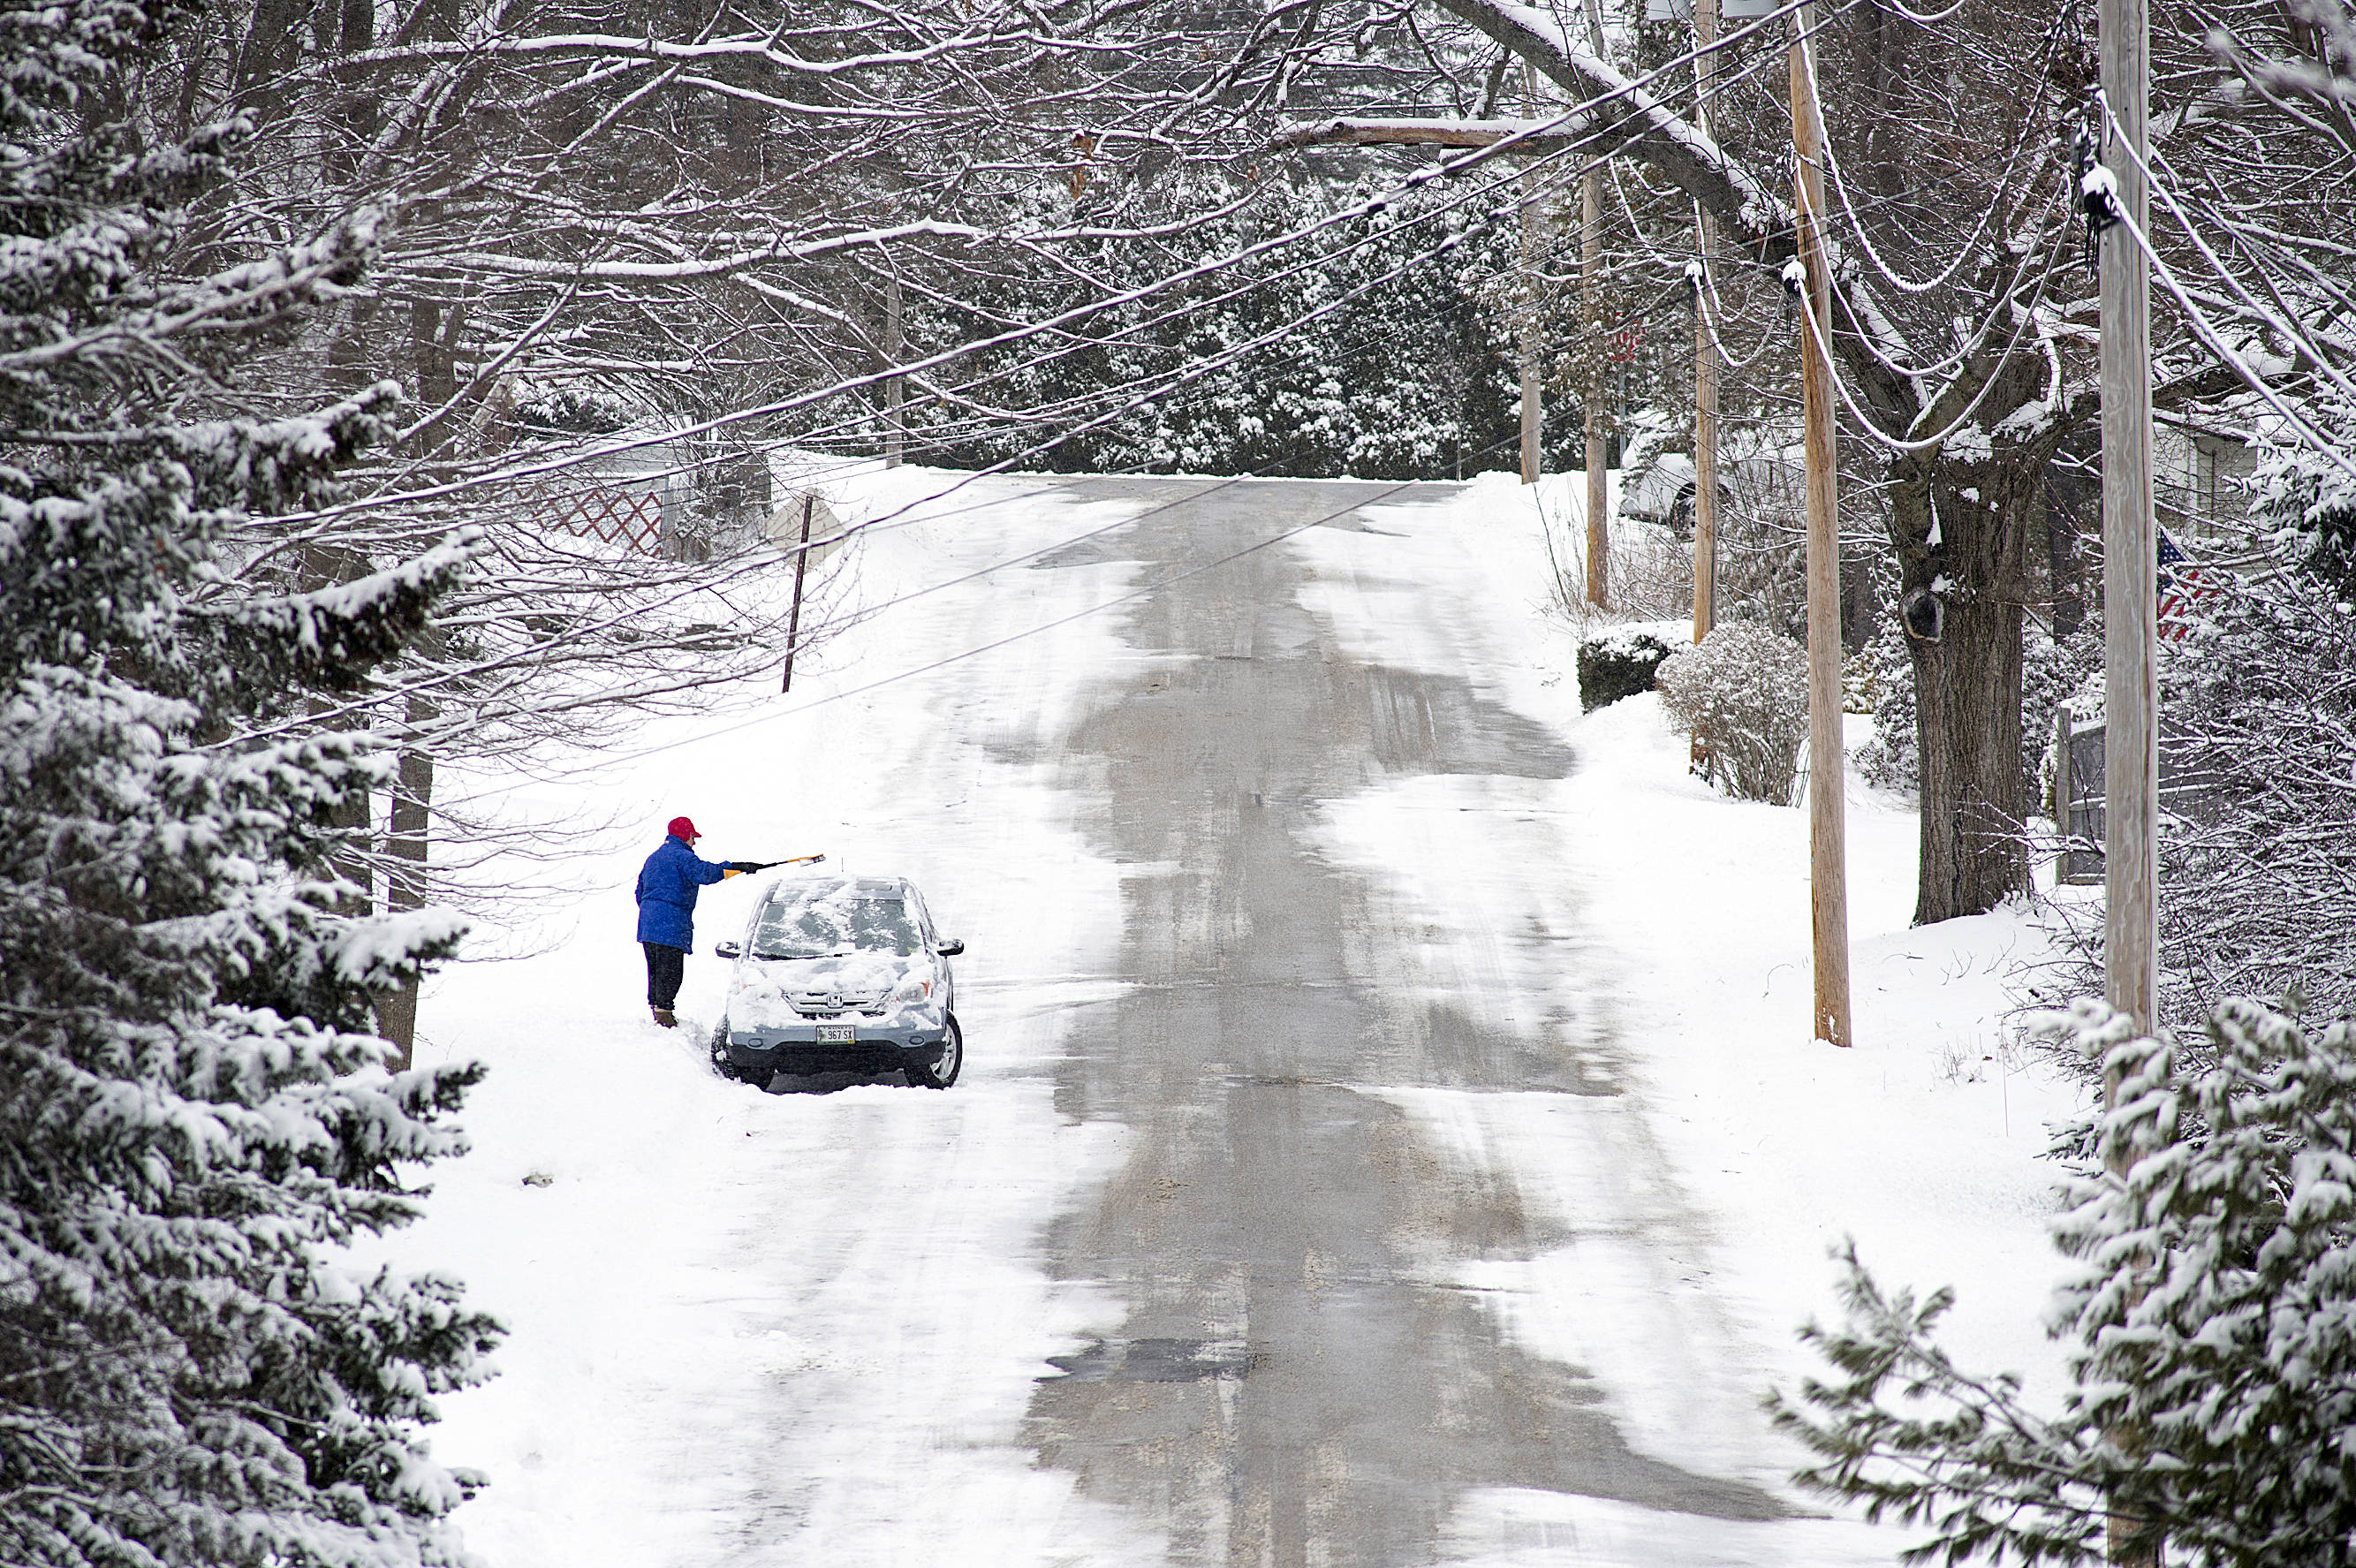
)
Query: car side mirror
[
  {"x": 950, "y": 949},
  {"x": 727, "y": 949}
]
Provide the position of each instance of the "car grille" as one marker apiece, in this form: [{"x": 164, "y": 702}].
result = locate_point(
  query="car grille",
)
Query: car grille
[{"x": 814, "y": 1006}]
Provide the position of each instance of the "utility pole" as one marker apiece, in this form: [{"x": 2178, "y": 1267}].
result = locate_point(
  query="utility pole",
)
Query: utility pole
[
  {"x": 1590, "y": 266},
  {"x": 2130, "y": 551},
  {"x": 1533, "y": 405},
  {"x": 1828, "y": 849},
  {"x": 2130, "y": 604},
  {"x": 1591, "y": 269},
  {"x": 1704, "y": 509},
  {"x": 801, "y": 576},
  {"x": 896, "y": 390}
]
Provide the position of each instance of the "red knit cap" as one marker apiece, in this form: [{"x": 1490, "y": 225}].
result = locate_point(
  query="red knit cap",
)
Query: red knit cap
[{"x": 681, "y": 828}]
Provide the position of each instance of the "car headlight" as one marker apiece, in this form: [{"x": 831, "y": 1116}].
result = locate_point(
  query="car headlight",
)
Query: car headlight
[{"x": 911, "y": 991}]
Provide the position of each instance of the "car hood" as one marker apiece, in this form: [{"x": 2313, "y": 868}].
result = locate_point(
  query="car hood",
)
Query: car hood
[{"x": 783, "y": 991}]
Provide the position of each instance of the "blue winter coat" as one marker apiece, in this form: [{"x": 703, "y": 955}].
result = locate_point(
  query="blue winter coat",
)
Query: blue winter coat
[{"x": 667, "y": 885}]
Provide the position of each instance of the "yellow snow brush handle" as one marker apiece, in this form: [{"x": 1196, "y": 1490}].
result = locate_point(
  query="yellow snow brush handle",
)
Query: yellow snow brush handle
[{"x": 746, "y": 868}]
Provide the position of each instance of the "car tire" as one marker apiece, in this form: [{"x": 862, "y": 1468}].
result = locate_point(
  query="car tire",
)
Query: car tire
[
  {"x": 721, "y": 1065},
  {"x": 1681, "y": 516},
  {"x": 943, "y": 1073}
]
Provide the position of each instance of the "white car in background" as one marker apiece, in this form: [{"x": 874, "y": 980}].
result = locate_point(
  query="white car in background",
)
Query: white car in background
[
  {"x": 840, "y": 976},
  {"x": 1662, "y": 492},
  {"x": 1755, "y": 479}
]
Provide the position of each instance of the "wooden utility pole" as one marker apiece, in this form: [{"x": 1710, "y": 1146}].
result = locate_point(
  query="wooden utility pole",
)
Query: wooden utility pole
[
  {"x": 2130, "y": 550},
  {"x": 1533, "y": 395},
  {"x": 1591, "y": 267},
  {"x": 1828, "y": 849},
  {"x": 1705, "y": 508},
  {"x": 2130, "y": 602},
  {"x": 895, "y": 388},
  {"x": 801, "y": 576},
  {"x": 1590, "y": 271}
]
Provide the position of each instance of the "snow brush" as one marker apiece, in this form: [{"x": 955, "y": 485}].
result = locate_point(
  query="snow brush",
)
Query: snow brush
[{"x": 749, "y": 866}]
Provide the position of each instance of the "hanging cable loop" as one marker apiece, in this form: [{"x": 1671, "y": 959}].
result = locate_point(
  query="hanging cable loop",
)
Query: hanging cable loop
[{"x": 2098, "y": 187}]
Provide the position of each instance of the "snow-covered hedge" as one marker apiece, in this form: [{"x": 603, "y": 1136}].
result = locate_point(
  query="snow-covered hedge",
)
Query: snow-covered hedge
[
  {"x": 1622, "y": 663},
  {"x": 1744, "y": 690},
  {"x": 1383, "y": 359}
]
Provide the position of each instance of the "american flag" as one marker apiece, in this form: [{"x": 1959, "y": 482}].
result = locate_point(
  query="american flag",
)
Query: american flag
[{"x": 2183, "y": 584}]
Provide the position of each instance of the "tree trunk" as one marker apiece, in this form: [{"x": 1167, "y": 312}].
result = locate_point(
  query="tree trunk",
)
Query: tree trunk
[
  {"x": 434, "y": 354},
  {"x": 1967, "y": 727},
  {"x": 1972, "y": 551},
  {"x": 1860, "y": 613},
  {"x": 324, "y": 566},
  {"x": 2065, "y": 560},
  {"x": 406, "y": 842}
]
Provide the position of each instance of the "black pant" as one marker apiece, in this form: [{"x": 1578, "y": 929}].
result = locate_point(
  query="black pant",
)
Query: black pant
[{"x": 664, "y": 968}]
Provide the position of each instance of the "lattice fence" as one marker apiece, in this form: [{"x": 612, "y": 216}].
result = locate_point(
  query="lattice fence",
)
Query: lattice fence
[{"x": 615, "y": 517}]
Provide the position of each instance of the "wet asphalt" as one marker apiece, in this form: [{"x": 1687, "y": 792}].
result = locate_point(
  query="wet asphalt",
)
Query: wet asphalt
[{"x": 1297, "y": 1381}]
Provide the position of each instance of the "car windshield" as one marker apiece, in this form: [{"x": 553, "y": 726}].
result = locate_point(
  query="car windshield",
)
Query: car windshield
[{"x": 829, "y": 926}]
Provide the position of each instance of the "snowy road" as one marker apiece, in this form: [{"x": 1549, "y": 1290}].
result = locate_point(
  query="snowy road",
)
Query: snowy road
[
  {"x": 1302, "y": 1376},
  {"x": 1370, "y": 1152}
]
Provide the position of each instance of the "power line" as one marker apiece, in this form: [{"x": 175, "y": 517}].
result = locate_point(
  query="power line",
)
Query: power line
[{"x": 1133, "y": 597}]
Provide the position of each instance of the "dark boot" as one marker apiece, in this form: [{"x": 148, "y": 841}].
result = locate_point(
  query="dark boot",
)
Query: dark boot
[{"x": 667, "y": 1019}]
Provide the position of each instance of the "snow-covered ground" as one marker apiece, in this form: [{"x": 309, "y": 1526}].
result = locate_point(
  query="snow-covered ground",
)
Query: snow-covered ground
[
  {"x": 805, "y": 1328},
  {"x": 1921, "y": 1141}
]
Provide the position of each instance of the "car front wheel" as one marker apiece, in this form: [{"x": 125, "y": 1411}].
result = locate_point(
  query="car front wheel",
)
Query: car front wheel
[
  {"x": 729, "y": 1069},
  {"x": 943, "y": 1072}
]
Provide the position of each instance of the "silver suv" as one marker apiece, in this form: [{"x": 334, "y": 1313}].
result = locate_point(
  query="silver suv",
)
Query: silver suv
[{"x": 840, "y": 976}]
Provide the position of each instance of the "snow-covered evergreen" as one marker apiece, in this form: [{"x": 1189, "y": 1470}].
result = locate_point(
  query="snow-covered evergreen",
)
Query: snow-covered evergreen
[
  {"x": 2212, "y": 1315},
  {"x": 192, "y": 1123},
  {"x": 1379, "y": 356}
]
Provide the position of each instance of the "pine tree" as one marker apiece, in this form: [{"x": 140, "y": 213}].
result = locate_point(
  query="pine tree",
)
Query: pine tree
[
  {"x": 2212, "y": 1319},
  {"x": 1373, "y": 355},
  {"x": 192, "y": 1124}
]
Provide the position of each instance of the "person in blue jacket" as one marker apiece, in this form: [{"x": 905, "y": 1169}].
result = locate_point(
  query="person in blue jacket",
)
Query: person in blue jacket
[{"x": 668, "y": 885}]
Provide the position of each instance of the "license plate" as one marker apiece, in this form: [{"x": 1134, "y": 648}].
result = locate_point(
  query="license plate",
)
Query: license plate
[{"x": 836, "y": 1034}]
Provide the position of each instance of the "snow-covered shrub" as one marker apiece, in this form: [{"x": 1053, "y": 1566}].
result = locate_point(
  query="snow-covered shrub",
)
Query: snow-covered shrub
[
  {"x": 2211, "y": 1319},
  {"x": 1744, "y": 690},
  {"x": 1619, "y": 663},
  {"x": 193, "y": 1120},
  {"x": 2309, "y": 504}
]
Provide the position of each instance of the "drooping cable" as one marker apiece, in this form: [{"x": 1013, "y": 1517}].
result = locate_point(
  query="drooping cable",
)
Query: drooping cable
[
  {"x": 2228, "y": 355},
  {"x": 2290, "y": 331}
]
